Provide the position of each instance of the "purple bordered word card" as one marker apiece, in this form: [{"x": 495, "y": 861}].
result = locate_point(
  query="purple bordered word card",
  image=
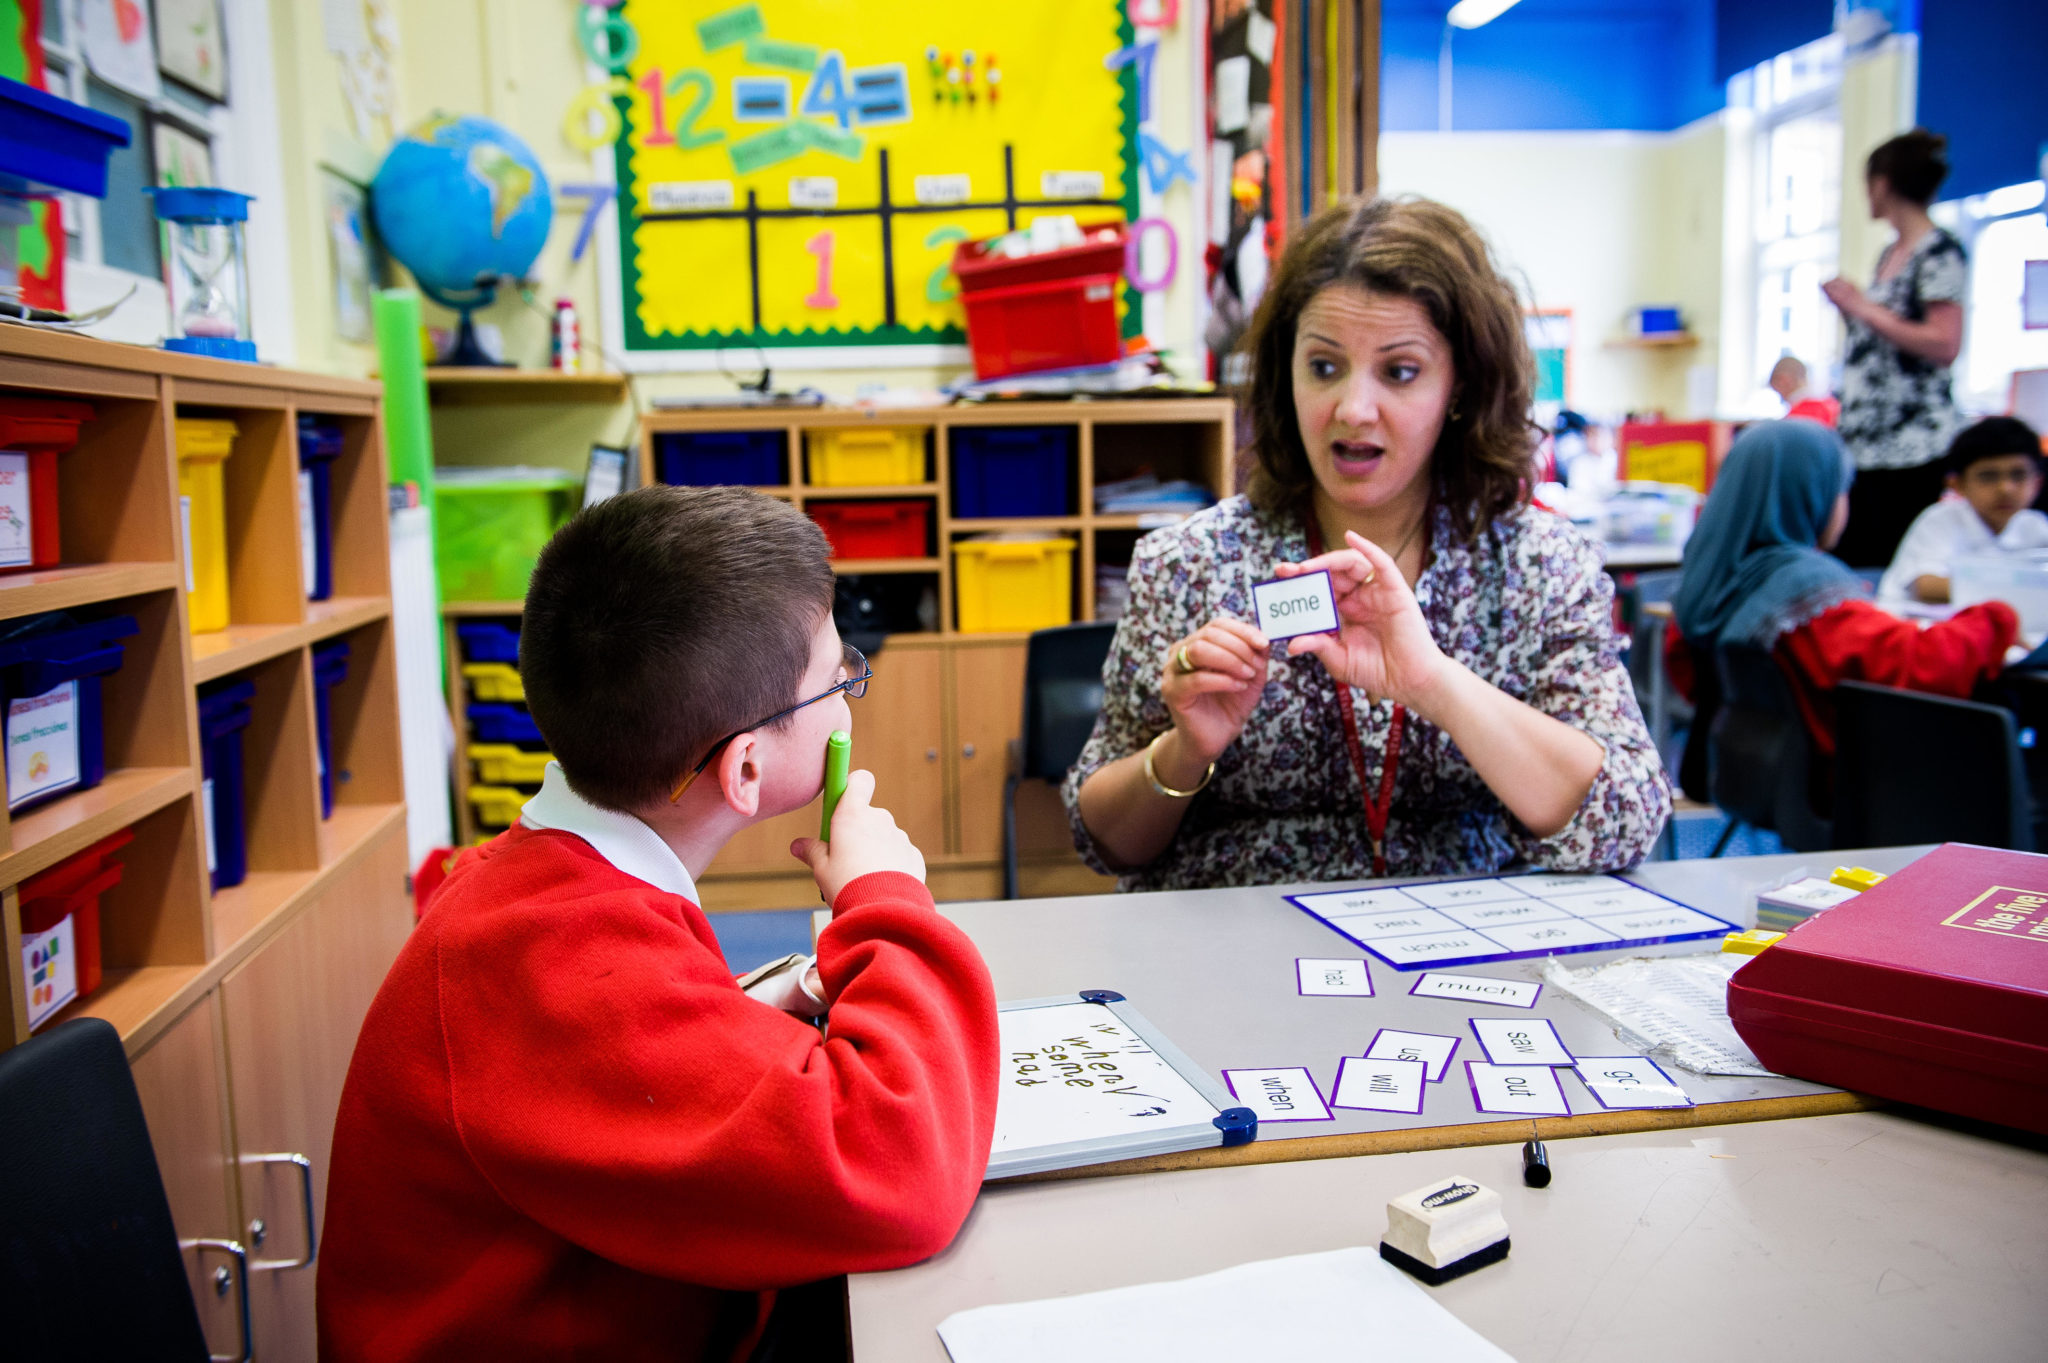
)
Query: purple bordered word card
[
  {"x": 1286, "y": 1094},
  {"x": 1505, "y": 918},
  {"x": 1288, "y": 606}
]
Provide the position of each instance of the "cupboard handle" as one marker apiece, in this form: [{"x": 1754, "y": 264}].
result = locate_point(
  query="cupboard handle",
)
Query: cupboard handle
[
  {"x": 967, "y": 751},
  {"x": 931, "y": 754},
  {"x": 305, "y": 1168},
  {"x": 222, "y": 1278}
]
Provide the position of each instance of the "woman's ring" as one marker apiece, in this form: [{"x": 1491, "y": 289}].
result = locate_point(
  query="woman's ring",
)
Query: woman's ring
[{"x": 1181, "y": 659}]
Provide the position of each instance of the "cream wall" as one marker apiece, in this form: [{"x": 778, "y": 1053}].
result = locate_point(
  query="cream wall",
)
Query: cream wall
[
  {"x": 516, "y": 61},
  {"x": 1598, "y": 222}
]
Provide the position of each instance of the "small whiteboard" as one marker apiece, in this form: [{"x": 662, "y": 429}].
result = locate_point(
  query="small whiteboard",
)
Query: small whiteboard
[{"x": 1086, "y": 1080}]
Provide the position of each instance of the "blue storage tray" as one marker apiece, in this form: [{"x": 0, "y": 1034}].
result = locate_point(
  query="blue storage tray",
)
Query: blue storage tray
[
  {"x": 48, "y": 141},
  {"x": 488, "y": 641},
  {"x": 1013, "y": 470},
  {"x": 721, "y": 458},
  {"x": 320, "y": 444},
  {"x": 330, "y": 669},
  {"x": 499, "y": 722},
  {"x": 224, "y": 711},
  {"x": 45, "y": 652}
]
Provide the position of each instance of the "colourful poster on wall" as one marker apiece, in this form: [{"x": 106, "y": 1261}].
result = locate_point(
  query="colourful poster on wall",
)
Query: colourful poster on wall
[{"x": 795, "y": 174}]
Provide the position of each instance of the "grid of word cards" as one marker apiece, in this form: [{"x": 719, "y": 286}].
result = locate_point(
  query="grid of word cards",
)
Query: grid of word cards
[{"x": 1503, "y": 918}]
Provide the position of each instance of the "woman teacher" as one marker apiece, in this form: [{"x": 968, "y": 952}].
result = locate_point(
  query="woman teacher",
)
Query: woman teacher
[
  {"x": 1471, "y": 711},
  {"x": 1898, "y": 416}
]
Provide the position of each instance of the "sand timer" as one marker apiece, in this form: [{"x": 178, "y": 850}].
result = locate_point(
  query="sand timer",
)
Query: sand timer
[{"x": 206, "y": 262}]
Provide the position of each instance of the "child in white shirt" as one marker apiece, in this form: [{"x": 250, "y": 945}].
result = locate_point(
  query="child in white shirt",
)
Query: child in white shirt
[{"x": 1995, "y": 466}]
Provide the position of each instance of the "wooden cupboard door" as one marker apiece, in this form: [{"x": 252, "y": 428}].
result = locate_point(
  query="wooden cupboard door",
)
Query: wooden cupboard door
[
  {"x": 183, "y": 1098},
  {"x": 292, "y": 1012},
  {"x": 988, "y": 698},
  {"x": 897, "y": 730}
]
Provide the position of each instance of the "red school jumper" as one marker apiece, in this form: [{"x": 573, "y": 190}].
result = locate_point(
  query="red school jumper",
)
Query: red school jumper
[{"x": 566, "y": 1133}]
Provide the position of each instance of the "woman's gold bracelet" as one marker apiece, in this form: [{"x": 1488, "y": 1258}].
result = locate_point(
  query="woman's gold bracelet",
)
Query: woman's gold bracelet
[{"x": 1169, "y": 792}]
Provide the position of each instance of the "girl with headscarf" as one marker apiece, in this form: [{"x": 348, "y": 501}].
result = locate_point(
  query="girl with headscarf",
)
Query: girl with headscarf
[{"x": 1756, "y": 573}]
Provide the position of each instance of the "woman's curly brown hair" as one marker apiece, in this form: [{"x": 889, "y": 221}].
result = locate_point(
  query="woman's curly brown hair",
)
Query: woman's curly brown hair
[{"x": 1418, "y": 249}]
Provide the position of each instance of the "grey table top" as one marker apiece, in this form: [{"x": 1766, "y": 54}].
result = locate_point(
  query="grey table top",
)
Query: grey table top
[
  {"x": 1214, "y": 971},
  {"x": 1866, "y": 1236}
]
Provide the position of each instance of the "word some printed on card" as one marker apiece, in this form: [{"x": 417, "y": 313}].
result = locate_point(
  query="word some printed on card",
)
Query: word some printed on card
[
  {"x": 1433, "y": 1050},
  {"x": 1279, "y": 1095},
  {"x": 1316, "y": 975},
  {"x": 1288, "y": 606}
]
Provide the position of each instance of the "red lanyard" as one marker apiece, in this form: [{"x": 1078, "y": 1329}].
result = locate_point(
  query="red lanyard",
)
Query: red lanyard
[{"x": 1377, "y": 808}]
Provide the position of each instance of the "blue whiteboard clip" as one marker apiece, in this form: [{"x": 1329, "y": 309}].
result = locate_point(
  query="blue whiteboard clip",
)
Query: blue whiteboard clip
[
  {"x": 1101, "y": 996},
  {"x": 1238, "y": 1125}
]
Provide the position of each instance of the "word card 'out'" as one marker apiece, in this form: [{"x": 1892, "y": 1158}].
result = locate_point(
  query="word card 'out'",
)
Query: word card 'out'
[{"x": 1288, "y": 606}]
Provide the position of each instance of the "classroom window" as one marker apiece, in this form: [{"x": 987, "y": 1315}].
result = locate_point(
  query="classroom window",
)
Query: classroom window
[{"x": 2002, "y": 231}]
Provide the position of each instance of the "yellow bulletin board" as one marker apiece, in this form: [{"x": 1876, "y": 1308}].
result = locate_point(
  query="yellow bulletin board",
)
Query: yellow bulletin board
[{"x": 794, "y": 175}]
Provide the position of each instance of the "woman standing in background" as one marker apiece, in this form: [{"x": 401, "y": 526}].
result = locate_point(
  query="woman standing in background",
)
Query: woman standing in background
[{"x": 1897, "y": 415}]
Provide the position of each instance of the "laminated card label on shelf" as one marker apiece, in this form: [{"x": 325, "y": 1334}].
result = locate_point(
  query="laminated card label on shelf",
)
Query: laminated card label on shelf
[
  {"x": 49, "y": 969},
  {"x": 42, "y": 743},
  {"x": 17, "y": 544},
  {"x": 1315, "y": 975}
]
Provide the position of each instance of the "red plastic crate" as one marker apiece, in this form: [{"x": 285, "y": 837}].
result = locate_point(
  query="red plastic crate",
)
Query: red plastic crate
[
  {"x": 1056, "y": 310},
  {"x": 72, "y": 889},
  {"x": 875, "y": 529},
  {"x": 40, "y": 430}
]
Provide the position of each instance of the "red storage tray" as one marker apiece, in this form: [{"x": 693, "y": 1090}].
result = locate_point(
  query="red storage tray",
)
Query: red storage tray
[
  {"x": 875, "y": 529},
  {"x": 40, "y": 430},
  {"x": 72, "y": 888},
  {"x": 1056, "y": 310},
  {"x": 1930, "y": 988}
]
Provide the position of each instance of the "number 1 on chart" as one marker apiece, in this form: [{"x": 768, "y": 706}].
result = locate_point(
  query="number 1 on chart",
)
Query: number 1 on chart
[{"x": 821, "y": 247}]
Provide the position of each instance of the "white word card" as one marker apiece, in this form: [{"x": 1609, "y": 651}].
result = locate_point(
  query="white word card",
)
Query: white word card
[
  {"x": 1477, "y": 989},
  {"x": 1326, "y": 976},
  {"x": 1518, "y": 1090},
  {"x": 1433, "y": 1050},
  {"x": 1288, "y": 606},
  {"x": 1521, "y": 1041},
  {"x": 1279, "y": 1095},
  {"x": 1380, "y": 1085},
  {"x": 1629, "y": 1081},
  {"x": 1352, "y": 903}
]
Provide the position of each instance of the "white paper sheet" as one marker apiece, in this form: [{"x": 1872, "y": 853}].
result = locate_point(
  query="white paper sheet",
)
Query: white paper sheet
[
  {"x": 1346, "y": 1303},
  {"x": 1674, "y": 1007}
]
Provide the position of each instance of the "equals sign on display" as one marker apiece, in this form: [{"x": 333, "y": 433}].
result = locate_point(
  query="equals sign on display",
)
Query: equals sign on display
[{"x": 881, "y": 94}]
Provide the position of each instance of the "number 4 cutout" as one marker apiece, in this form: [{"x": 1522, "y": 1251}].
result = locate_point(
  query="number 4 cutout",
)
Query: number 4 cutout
[{"x": 826, "y": 93}]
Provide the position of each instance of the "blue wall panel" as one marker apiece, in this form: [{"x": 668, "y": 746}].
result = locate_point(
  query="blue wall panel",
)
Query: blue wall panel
[{"x": 1984, "y": 82}]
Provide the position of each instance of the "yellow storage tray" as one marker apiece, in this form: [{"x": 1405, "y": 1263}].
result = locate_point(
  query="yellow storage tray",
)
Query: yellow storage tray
[
  {"x": 1006, "y": 585},
  {"x": 866, "y": 456},
  {"x": 494, "y": 681},
  {"x": 497, "y": 806},
  {"x": 203, "y": 446},
  {"x": 504, "y": 765}
]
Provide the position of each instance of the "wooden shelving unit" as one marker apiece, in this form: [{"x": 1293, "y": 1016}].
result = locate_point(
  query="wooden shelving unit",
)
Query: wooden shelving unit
[
  {"x": 936, "y": 726},
  {"x": 166, "y": 938},
  {"x": 449, "y": 387}
]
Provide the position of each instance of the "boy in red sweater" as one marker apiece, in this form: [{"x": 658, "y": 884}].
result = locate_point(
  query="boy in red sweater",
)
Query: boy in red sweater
[{"x": 567, "y": 1130}]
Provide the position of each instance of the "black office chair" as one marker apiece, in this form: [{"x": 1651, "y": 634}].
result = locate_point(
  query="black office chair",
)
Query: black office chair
[
  {"x": 90, "y": 1266},
  {"x": 1913, "y": 768},
  {"x": 1762, "y": 764},
  {"x": 1062, "y": 696}
]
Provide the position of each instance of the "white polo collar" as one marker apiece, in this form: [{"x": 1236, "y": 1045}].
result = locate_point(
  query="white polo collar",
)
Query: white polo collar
[{"x": 624, "y": 841}]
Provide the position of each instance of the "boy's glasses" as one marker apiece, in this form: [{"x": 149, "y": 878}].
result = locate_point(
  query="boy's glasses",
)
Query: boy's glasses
[{"x": 855, "y": 684}]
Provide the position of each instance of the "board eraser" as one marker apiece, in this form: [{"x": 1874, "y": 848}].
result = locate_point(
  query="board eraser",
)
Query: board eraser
[{"x": 1445, "y": 1229}]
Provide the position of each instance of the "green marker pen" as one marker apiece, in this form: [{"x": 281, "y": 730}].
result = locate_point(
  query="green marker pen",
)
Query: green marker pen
[{"x": 838, "y": 761}]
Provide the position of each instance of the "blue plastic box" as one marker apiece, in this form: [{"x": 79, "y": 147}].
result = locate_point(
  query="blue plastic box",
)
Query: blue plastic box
[
  {"x": 1013, "y": 470},
  {"x": 224, "y": 711},
  {"x": 45, "y": 140},
  {"x": 330, "y": 669},
  {"x": 721, "y": 458},
  {"x": 488, "y": 641},
  {"x": 50, "y": 671},
  {"x": 320, "y": 444},
  {"x": 498, "y": 722}
]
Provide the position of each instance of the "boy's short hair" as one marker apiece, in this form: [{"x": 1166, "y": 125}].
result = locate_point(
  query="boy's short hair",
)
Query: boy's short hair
[
  {"x": 1995, "y": 437},
  {"x": 661, "y": 620},
  {"x": 1788, "y": 367}
]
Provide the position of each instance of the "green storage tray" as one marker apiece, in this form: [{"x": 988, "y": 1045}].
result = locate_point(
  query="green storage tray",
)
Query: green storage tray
[{"x": 491, "y": 524}]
